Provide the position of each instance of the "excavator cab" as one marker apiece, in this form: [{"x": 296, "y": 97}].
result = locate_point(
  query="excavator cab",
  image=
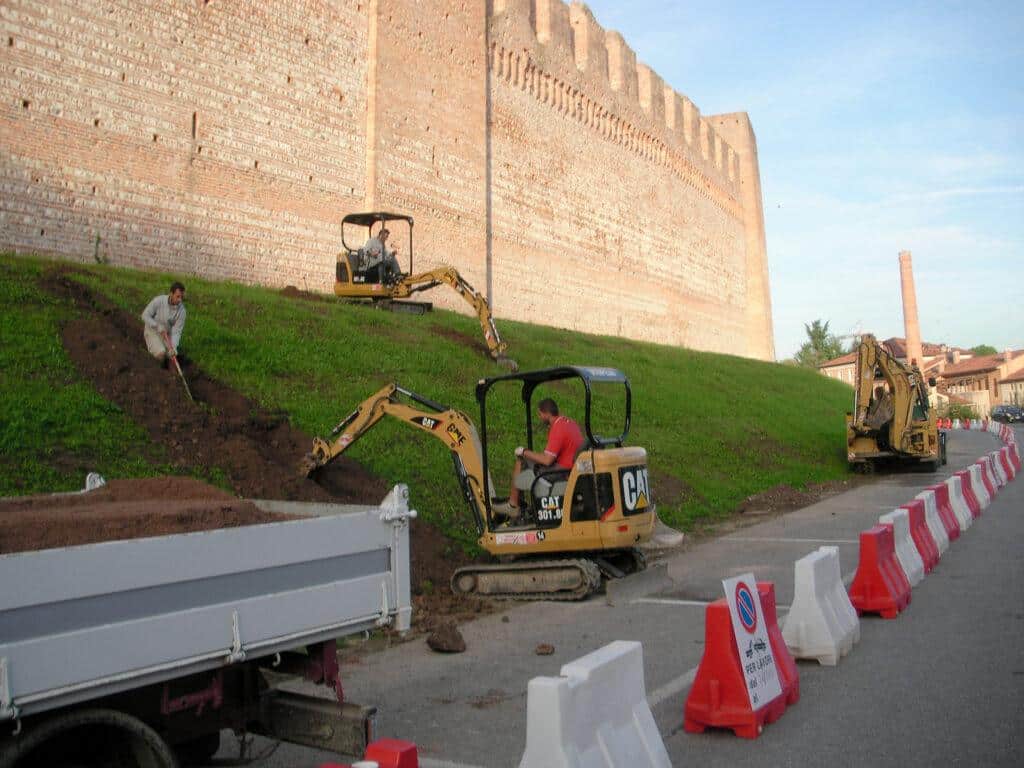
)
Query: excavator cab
[
  {"x": 358, "y": 274},
  {"x": 601, "y": 503}
]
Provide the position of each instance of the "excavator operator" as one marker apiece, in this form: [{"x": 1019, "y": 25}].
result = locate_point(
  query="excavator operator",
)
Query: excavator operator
[
  {"x": 564, "y": 442},
  {"x": 376, "y": 252}
]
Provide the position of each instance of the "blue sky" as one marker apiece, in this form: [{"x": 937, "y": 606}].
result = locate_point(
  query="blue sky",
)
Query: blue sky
[{"x": 880, "y": 127}]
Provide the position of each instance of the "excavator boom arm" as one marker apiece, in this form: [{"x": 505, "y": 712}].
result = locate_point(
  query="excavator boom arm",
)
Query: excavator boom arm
[
  {"x": 450, "y": 426},
  {"x": 905, "y": 386},
  {"x": 425, "y": 280}
]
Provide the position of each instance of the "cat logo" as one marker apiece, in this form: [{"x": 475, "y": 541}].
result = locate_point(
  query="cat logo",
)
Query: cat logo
[
  {"x": 426, "y": 422},
  {"x": 636, "y": 494},
  {"x": 551, "y": 502},
  {"x": 456, "y": 434}
]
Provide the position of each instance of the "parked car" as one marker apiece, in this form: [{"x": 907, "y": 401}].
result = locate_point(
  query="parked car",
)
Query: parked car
[{"x": 1008, "y": 413}]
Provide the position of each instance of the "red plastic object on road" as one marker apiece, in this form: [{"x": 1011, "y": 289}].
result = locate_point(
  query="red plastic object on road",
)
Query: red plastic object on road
[
  {"x": 393, "y": 753},
  {"x": 718, "y": 697},
  {"x": 945, "y": 509},
  {"x": 880, "y": 586},
  {"x": 926, "y": 546},
  {"x": 789, "y": 675},
  {"x": 1015, "y": 456}
]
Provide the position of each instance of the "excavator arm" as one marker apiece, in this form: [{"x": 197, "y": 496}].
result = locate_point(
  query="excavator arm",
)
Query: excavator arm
[
  {"x": 905, "y": 387},
  {"x": 424, "y": 281},
  {"x": 450, "y": 426}
]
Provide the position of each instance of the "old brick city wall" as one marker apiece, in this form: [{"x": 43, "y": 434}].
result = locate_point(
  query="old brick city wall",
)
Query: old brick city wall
[{"x": 228, "y": 138}]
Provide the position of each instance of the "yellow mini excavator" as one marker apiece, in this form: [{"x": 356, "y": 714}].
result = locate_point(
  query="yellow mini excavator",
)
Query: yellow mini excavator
[
  {"x": 575, "y": 524},
  {"x": 892, "y": 419},
  {"x": 372, "y": 274}
]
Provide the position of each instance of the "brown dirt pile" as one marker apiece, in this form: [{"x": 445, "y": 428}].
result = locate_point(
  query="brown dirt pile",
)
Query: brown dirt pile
[
  {"x": 258, "y": 451},
  {"x": 123, "y": 509}
]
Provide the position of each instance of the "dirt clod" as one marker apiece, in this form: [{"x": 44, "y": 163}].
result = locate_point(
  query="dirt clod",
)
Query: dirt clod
[
  {"x": 544, "y": 649},
  {"x": 446, "y": 638},
  {"x": 123, "y": 509}
]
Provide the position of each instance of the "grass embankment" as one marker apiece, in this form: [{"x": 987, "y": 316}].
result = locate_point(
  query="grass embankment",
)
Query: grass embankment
[{"x": 717, "y": 428}]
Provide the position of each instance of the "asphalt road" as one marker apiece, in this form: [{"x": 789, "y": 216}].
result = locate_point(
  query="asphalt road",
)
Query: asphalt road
[{"x": 943, "y": 684}]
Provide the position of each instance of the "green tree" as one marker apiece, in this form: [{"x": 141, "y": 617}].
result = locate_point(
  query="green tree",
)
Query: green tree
[
  {"x": 983, "y": 349},
  {"x": 819, "y": 347}
]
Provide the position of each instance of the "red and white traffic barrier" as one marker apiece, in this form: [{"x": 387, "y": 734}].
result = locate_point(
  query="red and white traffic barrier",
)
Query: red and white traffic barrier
[
  {"x": 931, "y": 515},
  {"x": 879, "y": 585},
  {"x": 921, "y": 535},
  {"x": 961, "y": 509},
  {"x": 906, "y": 552},
  {"x": 822, "y": 623}
]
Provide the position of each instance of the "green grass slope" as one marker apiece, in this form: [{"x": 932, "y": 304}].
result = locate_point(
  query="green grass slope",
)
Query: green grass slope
[{"x": 717, "y": 428}]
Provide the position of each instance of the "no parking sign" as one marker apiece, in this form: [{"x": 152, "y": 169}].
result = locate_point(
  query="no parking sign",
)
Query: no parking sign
[{"x": 752, "y": 642}]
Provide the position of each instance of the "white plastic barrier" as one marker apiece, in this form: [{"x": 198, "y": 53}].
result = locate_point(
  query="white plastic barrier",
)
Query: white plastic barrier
[
  {"x": 595, "y": 715},
  {"x": 906, "y": 551},
  {"x": 964, "y": 518},
  {"x": 998, "y": 473},
  {"x": 956, "y": 423},
  {"x": 931, "y": 516},
  {"x": 978, "y": 484},
  {"x": 1006, "y": 462},
  {"x": 819, "y": 625}
]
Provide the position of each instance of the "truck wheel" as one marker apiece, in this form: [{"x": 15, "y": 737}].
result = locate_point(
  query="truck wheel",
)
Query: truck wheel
[{"x": 89, "y": 738}]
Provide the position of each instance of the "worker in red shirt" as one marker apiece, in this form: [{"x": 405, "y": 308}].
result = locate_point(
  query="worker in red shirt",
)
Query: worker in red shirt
[{"x": 564, "y": 441}]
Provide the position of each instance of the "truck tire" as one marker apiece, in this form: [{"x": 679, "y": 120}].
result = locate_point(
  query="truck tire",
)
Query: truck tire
[{"x": 128, "y": 742}]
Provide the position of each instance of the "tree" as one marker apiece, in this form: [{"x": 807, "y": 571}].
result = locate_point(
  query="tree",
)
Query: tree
[
  {"x": 983, "y": 349},
  {"x": 819, "y": 347}
]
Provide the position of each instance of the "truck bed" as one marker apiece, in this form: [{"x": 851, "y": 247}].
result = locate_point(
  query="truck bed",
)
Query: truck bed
[{"x": 85, "y": 621}]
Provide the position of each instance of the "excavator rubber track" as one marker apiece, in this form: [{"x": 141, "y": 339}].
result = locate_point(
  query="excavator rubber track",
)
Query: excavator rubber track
[{"x": 559, "y": 579}]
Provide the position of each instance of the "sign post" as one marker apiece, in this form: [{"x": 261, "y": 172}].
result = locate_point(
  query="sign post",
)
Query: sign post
[{"x": 752, "y": 643}]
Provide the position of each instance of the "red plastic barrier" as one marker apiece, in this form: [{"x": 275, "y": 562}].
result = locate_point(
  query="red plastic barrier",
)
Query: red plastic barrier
[
  {"x": 986, "y": 478},
  {"x": 1006, "y": 463},
  {"x": 967, "y": 486},
  {"x": 923, "y": 540},
  {"x": 789, "y": 676},
  {"x": 393, "y": 753},
  {"x": 1015, "y": 456},
  {"x": 718, "y": 697},
  {"x": 880, "y": 586},
  {"x": 946, "y": 513},
  {"x": 387, "y": 753}
]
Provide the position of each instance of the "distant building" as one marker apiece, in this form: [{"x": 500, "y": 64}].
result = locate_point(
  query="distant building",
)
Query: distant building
[
  {"x": 983, "y": 380},
  {"x": 842, "y": 368},
  {"x": 1012, "y": 389}
]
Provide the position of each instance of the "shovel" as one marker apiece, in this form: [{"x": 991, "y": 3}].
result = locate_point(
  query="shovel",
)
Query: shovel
[{"x": 177, "y": 367}]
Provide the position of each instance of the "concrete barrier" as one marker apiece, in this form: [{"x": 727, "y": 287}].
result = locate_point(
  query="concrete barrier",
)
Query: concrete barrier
[
  {"x": 907, "y": 554},
  {"x": 979, "y": 487},
  {"x": 595, "y": 715},
  {"x": 818, "y": 625},
  {"x": 964, "y": 518},
  {"x": 935, "y": 526}
]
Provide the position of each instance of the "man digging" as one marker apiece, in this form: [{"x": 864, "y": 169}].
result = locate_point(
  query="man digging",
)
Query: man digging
[{"x": 164, "y": 317}]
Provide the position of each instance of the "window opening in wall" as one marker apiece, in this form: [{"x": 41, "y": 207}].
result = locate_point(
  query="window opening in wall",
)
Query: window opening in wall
[
  {"x": 25, "y": 103},
  {"x": 96, "y": 122},
  {"x": 256, "y": 164},
  {"x": 195, "y": 125}
]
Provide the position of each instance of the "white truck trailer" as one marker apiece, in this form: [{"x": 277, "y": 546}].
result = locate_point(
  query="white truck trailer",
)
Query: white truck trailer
[{"x": 138, "y": 652}]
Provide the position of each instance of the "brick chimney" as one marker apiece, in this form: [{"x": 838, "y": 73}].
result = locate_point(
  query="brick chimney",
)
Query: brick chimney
[{"x": 910, "y": 323}]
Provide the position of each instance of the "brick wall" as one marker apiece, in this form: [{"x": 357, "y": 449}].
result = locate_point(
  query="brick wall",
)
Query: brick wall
[{"x": 536, "y": 154}]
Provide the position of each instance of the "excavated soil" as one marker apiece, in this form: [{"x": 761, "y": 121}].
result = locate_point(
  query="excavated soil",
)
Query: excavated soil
[
  {"x": 257, "y": 451},
  {"x": 291, "y": 292},
  {"x": 123, "y": 509}
]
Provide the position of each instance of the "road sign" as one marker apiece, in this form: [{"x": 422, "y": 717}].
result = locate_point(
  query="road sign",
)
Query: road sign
[{"x": 752, "y": 643}]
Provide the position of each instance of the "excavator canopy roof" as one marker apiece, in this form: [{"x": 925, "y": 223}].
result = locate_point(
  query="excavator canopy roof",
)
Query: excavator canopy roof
[
  {"x": 370, "y": 218},
  {"x": 585, "y": 373}
]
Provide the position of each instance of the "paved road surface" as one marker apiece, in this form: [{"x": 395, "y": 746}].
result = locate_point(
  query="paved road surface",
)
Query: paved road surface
[{"x": 941, "y": 685}]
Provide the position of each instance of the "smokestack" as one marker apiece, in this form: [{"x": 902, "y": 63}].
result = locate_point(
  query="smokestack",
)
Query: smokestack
[{"x": 912, "y": 328}]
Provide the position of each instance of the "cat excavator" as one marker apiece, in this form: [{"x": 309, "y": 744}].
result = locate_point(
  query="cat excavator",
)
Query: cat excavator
[
  {"x": 363, "y": 274},
  {"x": 891, "y": 419},
  {"x": 575, "y": 525}
]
